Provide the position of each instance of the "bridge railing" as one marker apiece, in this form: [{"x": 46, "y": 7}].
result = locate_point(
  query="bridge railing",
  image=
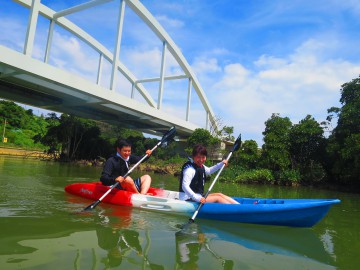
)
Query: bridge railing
[{"x": 58, "y": 19}]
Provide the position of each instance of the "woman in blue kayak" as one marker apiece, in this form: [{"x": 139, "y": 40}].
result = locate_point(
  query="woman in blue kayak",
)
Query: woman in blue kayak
[{"x": 193, "y": 177}]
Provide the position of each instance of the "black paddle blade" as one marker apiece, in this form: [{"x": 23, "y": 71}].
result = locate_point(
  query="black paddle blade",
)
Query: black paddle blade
[
  {"x": 189, "y": 228},
  {"x": 237, "y": 143},
  {"x": 91, "y": 206},
  {"x": 168, "y": 135}
]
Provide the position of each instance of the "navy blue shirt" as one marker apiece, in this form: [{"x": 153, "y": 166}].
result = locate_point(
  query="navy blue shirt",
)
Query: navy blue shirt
[{"x": 114, "y": 167}]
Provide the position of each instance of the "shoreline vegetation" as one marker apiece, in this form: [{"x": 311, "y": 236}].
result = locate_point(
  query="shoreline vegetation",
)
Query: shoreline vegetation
[
  {"x": 24, "y": 153},
  {"x": 42, "y": 155},
  {"x": 172, "y": 169},
  {"x": 307, "y": 153}
]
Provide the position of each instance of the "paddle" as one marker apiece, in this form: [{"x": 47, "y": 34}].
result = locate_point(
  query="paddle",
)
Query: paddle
[
  {"x": 235, "y": 148},
  {"x": 167, "y": 136}
]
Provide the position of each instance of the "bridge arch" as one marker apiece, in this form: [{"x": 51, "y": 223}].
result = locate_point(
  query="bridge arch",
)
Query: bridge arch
[{"x": 25, "y": 79}]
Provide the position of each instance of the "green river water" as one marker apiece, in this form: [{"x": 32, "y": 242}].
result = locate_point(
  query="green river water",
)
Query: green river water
[{"x": 42, "y": 227}]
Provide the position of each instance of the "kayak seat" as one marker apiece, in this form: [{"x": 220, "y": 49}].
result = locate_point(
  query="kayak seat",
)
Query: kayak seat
[
  {"x": 173, "y": 195},
  {"x": 270, "y": 201}
]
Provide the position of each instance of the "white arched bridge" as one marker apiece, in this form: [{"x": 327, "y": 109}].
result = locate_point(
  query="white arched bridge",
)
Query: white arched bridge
[{"x": 42, "y": 68}]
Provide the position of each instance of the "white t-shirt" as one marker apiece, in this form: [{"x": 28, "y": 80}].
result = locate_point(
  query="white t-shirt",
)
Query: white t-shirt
[{"x": 188, "y": 175}]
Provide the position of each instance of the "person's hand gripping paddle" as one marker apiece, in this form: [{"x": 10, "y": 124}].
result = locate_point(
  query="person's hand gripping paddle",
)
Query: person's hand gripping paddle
[
  {"x": 167, "y": 136},
  {"x": 235, "y": 148}
]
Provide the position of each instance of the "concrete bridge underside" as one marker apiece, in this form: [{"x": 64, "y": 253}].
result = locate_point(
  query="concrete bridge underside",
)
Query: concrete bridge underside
[
  {"x": 26, "y": 79},
  {"x": 29, "y": 81}
]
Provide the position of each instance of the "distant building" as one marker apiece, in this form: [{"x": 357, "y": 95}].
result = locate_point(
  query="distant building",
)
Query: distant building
[
  {"x": 215, "y": 154},
  {"x": 221, "y": 150}
]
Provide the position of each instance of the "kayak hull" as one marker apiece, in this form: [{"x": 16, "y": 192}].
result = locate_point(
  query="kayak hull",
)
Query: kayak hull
[{"x": 283, "y": 212}]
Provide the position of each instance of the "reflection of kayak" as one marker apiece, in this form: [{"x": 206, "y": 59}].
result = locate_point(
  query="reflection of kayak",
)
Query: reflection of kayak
[
  {"x": 254, "y": 246},
  {"x": 285, "y": 212},
  {"x": 290, "y": 242}
]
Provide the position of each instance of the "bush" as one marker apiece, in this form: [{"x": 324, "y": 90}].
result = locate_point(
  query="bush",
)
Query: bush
[
  {"x": 289, "y": 177},
  {"x": 249, "y": 176},
  {"x": 258, "y": 175}
]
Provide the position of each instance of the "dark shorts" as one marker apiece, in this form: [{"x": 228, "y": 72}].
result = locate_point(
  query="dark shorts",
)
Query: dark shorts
[{"x": 137, "y": 183}]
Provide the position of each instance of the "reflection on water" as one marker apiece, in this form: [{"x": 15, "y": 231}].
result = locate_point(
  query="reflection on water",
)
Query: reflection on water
[
  {"x": 122, "y": 238},
  {"x": 190, "y": 243},
  {"x": 42, "y": 227},
  {"x": 234, "y": 247},
  {"x": 119, "y": 244}
]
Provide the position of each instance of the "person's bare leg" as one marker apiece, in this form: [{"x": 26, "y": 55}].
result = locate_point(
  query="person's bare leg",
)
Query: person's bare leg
[
  {"x": 213, "y": 197},
  {"x": 145, "y": 183},
  {"x": 220, "y": 198},
  {"x": 129, "y": 185},
  {"x": 227, "y": 198}
]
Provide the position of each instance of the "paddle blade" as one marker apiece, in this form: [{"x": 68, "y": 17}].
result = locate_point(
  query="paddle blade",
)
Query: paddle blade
[
  {"x": 91, "y": 206},
  {"x": 188, "y": 228},
  {"x": 237, "y": 143},
  {"x": 168, "y": 135}
]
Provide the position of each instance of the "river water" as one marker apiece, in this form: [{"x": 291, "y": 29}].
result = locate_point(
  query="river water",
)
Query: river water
[{"x": 42, "y": 227}]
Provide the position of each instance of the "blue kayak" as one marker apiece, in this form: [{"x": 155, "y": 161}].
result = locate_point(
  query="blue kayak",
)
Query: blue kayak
[{"x": 283, "y": 212}]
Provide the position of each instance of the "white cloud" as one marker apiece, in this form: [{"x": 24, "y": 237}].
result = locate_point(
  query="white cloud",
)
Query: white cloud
[
  {"x": 147, "y": 63},
  {"x": 294, "y": 86},
  {"x": 197, "y": 115},
  {"x": 165, "y": 20},
  {"x": 70, "y": 54},
  {"x": 203, "y": 66},
  {"x": 12, "y": 32}
]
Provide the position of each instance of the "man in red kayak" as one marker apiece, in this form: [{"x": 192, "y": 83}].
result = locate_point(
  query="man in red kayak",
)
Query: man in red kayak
[
  {"x": 193, "y": 176},
  {"x": 118, "y": 165}
]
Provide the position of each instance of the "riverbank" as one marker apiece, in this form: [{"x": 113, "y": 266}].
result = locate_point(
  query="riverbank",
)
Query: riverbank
[
  {"x": 147, "y": 167},
  {"x": 173, "y": 169},
  {"x": 25, "y": 153},
  {"x": 169, "y": 169}
]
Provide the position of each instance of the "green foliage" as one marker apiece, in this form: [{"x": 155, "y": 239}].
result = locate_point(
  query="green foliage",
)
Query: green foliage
[
  {"x": 294, "y": 153},
  {"x": 15, "y": 115},
  {"x": 226, "y": 132},
  {"x": 75, "y": 138},
  {"x": 249, "y": 155},
  {"x": 140, "y": 144},
  {"x": 307, "y": 148},
  {"x": 344, "y": 142},
  {"x": 259, "y": 176},
  {"x": 248, "y": 176},
  {"x": 287, "y": 177},
  {"x": 290, "y": 154},
  {"x": 275, "y": 154},
  {"x": 202, "y": 136},
  {"x": 21, "y": 125},
  {"x": 24, "y": 138}
]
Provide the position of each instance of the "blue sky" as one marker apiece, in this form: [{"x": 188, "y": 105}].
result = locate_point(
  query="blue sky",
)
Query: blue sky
[{"x": 252, "y": 58}]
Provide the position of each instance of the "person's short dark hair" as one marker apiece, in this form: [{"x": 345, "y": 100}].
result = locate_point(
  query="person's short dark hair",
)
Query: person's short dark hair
[
  {"x": 122, "y": 143},
  {"x": 199, "y": 149}
]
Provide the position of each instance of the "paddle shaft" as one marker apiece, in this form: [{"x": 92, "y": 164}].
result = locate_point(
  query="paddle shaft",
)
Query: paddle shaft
[
  {"x": 235, "y": 148},
  {"x": 170, "y": 134},
  {"x": 210, "y": 188},
  {"x": 128, "y": 173}
]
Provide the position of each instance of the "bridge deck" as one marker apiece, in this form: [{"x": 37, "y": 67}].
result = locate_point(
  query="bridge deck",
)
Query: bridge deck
[{"x": 33, "y": 82}]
